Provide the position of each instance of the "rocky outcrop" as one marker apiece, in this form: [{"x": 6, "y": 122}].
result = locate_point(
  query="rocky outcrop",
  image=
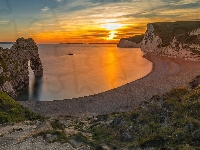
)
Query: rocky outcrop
[
  {"x": 132, "y": 42},
  {"x": 124, "y": 43},
  {"x": 177, "y": 39},
  {"x": 14, "y": 75}
]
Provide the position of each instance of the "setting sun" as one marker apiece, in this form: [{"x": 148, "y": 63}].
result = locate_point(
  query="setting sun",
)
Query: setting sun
[
  {"x": 112, "y": 35},
  {"x": 86, "y": 21},
  {"x": 112, "y": 26}
]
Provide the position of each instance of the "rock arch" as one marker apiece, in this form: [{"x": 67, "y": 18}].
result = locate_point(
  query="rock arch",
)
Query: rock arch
[{"x": 14, "y": 75}]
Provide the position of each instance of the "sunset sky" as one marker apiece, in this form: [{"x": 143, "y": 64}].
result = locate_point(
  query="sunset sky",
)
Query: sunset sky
[{"x": 55, "y": 21}]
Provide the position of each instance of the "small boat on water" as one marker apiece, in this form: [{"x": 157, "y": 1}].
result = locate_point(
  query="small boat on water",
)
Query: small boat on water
[{"x": 70, "y": 54}]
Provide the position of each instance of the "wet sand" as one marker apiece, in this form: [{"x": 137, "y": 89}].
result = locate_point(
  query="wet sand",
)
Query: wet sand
[{"x": 167, "y": 73}]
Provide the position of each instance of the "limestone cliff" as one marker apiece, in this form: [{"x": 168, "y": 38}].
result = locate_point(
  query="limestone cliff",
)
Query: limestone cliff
[
  {"x": 132, "y": 42},
  {"x": 14, "y": 75},
  {"x": 177, "y": 39}
]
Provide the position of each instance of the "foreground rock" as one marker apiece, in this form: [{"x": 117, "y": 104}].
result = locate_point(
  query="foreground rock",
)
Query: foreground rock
[
  {"x": 14, "y": 65},
  {"x": 23, "y": 136}
]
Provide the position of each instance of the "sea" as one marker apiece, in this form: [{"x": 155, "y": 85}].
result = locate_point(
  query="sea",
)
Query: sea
[{"x": 77, "y": 70}]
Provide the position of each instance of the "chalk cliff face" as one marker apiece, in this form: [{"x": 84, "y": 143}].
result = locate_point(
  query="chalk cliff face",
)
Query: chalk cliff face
[
  {"x": 14, "y": 75},
  {"x": 132, "y": 42},
  {"x": 177, "y": 39},
  {"x": 124, "y": 43}
]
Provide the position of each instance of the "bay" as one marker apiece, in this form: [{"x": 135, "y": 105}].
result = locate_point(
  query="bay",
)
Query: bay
[{"x": 76, "y": 70}]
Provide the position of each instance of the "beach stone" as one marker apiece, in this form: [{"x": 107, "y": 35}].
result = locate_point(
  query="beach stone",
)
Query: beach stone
[
  {"x": 1, "y": 70},
  {"x": 84, "y": 148},
  {"x": 196, "y": 136},
  {"x": 126, "y": 136},
  {"x": 50, "y": 138},
  {"x": 117, "y": 122},
  {"x": 195, "y": 82},
  {"x": 43, "y": 126},
  {"x": 75, "y": 143},
  {"x": 102, "y": 117},
  {"x": 8, "y": 88}
]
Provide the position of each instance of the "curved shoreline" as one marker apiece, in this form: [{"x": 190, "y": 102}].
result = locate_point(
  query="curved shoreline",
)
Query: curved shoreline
[{"x": 167, "y": 73}]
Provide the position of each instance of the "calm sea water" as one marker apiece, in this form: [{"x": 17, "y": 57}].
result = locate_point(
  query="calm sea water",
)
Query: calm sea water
[{"x": 90, "y": 70}]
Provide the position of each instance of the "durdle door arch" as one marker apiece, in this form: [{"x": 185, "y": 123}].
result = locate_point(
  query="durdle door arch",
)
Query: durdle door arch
[{"x": 14, "y": 74}]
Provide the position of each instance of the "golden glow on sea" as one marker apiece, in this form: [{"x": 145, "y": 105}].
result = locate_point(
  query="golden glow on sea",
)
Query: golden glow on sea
[
  {"x": 112, "y": 68},
  {"x": 115, "y": 63}
]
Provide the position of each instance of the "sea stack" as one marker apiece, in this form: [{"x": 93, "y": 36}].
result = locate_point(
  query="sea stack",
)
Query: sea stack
[{"x": 14, "y": 75}]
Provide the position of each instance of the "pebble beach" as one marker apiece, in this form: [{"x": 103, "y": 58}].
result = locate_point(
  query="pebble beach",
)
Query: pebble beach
[{"x": 167, "y": 73}]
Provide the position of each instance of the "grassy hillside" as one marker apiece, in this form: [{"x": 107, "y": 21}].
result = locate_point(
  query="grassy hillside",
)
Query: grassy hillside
[
  {"x": 168, "y": 121},
  {"x": 11, "y": 111},
  {"x": 168, "y": 30}
]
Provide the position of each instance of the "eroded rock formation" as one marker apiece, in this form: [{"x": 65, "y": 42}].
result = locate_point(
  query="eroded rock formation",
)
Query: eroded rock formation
[{"x": 14, "y": 75}]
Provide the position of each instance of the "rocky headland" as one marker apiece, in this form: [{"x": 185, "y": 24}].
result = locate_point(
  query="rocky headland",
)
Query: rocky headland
[
  {"x": 14, "y": 75},
  {"x": 131, "y": 42},
  {"x": 177, "y": 39}
]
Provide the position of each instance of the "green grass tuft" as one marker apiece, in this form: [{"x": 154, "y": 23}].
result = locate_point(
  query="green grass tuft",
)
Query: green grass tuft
[
  {"x": 11, "y": 111},
  {"x": 137, "y": 38},
  {"x": 180, "y": 29}
]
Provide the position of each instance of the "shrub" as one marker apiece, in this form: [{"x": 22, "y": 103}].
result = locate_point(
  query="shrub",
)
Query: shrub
[{"x": 57, "y": 125}]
